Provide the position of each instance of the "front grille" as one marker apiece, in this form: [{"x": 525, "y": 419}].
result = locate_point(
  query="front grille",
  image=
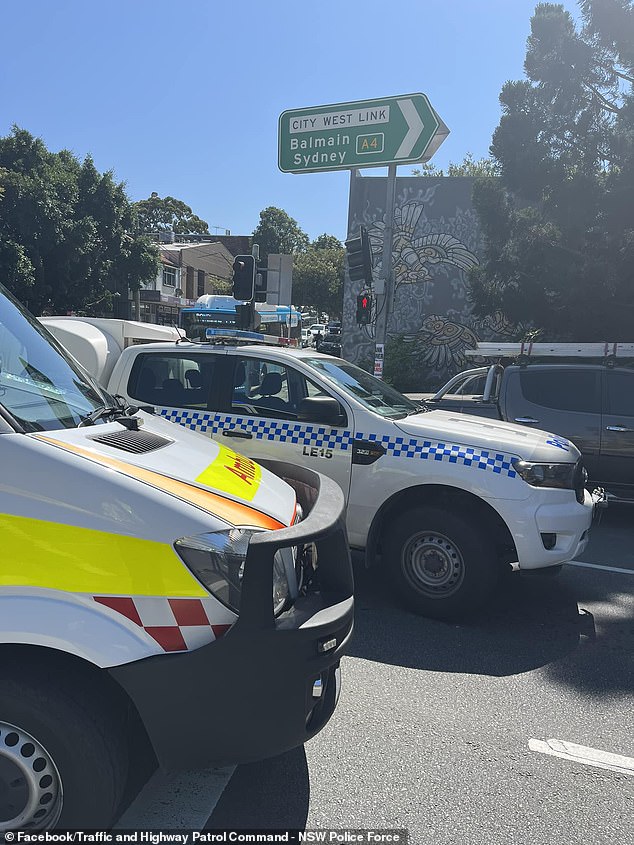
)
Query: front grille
[{"x": 137, "y": 442}]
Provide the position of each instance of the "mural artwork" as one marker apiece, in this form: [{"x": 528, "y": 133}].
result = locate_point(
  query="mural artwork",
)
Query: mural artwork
[{"x": 436, "y": 242}]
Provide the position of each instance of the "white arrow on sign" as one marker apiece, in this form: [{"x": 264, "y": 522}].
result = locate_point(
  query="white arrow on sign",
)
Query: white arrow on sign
[{"x": 415, "y": 127}]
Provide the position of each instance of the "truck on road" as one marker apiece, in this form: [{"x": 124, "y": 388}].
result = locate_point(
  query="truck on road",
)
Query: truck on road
[{"x": 582, "y": 391}]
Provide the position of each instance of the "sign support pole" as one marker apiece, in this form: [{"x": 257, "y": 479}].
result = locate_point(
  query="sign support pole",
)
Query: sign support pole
[{"x": 385, "y": 289}]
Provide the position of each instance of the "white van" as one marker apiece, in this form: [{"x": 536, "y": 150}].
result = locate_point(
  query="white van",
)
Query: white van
[{"x": 153, "y": 583}]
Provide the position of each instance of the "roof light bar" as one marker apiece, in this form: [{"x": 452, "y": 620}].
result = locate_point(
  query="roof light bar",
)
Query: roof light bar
[{"x": 235, "y": 334}]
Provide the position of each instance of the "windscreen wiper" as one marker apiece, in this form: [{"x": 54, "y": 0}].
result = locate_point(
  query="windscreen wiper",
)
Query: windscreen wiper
[
  {"x": 421, "y": 408},
  {"x": 122, "y": 412},
  {"x": 99, "y": 414}
]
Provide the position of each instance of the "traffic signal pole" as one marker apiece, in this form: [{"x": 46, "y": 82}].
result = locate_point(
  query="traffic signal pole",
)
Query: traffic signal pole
[{"x": 384, "y": 287}]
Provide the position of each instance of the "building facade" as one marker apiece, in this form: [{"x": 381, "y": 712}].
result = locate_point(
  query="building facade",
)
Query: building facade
[
  {"x": 188, "y": 270},
  {"x": 436, "y": 241}
]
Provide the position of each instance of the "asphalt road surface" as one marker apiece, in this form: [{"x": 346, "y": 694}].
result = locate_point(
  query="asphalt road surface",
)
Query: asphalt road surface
[{"x": 517, "y": 727}]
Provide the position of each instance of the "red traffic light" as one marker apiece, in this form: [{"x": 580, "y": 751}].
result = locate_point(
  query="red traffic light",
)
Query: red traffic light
[{"x": 364, "y": 309}]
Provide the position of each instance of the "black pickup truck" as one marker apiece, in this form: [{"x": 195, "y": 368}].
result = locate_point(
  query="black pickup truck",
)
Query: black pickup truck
[{"x": 590, "y": 404}]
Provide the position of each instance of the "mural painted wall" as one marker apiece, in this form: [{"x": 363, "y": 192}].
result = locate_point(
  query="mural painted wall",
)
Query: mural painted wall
[{"x": 436, "y": 241}]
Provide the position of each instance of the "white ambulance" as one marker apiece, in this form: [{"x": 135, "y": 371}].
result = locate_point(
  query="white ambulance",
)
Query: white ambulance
[
  {"x": 152, "y": 582},
  {"x": 446, "y": 502}
]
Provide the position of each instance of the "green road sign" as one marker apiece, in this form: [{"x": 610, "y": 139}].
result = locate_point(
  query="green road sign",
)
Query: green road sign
[{"x": 368, "y": 133}]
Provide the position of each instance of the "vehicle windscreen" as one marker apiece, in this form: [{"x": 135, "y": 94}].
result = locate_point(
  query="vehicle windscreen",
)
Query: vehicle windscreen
[
  {"x": 40, "y": 387},
  {"x": 374, "y": 394}
]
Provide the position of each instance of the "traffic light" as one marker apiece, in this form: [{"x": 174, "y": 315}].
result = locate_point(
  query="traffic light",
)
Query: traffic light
[
  {"x": 243, "y": 316},
  {"x": 364, "y": 309},
  {"x": 243, "y": 277},
  {"x": 260, "y": 285},
  {"x": 359, "y": 255}
]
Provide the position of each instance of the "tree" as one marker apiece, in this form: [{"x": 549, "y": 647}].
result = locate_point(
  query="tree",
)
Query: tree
[
  {"x": 468, "y": 167},
  {"x": 318, "y": 275},
  {"x": 67, "y": 233},
  {"x": 326, "y": 242},
  {"x": 558, "y": 222},
  {"x": 277, "y": 233},
  {"x": 167, "y": 214}
]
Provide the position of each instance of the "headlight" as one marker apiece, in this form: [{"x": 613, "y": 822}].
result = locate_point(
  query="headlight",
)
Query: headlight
[
  {"x": 546, "y": 475},
  {"x": 217, "y": 560}
]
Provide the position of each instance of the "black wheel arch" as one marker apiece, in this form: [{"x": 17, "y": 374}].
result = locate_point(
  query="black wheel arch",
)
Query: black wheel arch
[
  {"x": 445, "y": 496},
  {"x": 23, "y": 660}
]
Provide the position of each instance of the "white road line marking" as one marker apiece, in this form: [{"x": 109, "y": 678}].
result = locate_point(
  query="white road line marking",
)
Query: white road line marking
[
  {"x": 582, "y": 754},
  {"x": 599, "y": 566},
  {"x": 182, "y": 800}
]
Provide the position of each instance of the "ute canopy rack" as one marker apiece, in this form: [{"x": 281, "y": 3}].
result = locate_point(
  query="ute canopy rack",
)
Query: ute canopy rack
[{"x": 525, "y": 351}]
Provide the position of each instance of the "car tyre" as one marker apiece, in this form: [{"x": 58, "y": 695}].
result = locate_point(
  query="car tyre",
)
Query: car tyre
[
  {"x": 63, "y": 760},
  {"x": 442, "y": 565}
]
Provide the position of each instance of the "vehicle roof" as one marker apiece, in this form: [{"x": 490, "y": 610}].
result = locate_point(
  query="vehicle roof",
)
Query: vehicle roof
[{"x": 220, "y": 348}]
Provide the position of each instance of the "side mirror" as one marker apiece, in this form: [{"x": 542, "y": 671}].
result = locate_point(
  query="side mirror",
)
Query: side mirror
[{"x": 322, "y": 409}]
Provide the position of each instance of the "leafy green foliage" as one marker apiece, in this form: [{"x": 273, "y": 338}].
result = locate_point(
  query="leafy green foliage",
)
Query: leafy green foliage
[
  {"x": 318, "y": 275},
  {"x": 278, "y": 233},
  {"x": 167, "y": 214},
  {"x": 469, "y": 166},
  {"x": 68, "y": 234},
  {"x": 558, "y": 222},
  {"x": 326, "y": 242},
  {"x": 404, "y": 367}
]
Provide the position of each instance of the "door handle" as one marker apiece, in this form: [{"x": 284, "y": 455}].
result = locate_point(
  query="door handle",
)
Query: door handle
[
  {"x": 236, "y": 432},
  {"x": 618, "y": 428},
  {"x": 526, "y": 420}
]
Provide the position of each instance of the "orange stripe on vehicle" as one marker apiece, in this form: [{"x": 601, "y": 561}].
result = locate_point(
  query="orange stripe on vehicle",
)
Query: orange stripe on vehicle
[{"x": 213, "y": 503}]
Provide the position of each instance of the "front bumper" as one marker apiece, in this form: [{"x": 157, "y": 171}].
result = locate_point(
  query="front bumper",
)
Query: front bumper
[
  {"x": 549, "y": 515},
  {"x": 267, "y": 685}
]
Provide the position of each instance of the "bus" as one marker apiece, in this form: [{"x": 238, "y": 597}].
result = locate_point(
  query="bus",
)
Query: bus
[{"x": 213, "y": 311}]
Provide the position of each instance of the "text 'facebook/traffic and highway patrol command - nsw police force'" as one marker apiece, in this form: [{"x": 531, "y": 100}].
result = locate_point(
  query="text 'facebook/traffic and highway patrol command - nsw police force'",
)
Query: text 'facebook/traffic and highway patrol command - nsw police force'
[{"x": 158, "y": 837}]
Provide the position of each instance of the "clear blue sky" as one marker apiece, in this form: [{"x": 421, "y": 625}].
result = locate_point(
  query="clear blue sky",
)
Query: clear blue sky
[{"x": 183, "y": 97}]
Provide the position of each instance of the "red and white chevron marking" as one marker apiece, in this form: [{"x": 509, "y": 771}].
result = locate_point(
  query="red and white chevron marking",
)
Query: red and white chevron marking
[{"x": 176, "y": 624}]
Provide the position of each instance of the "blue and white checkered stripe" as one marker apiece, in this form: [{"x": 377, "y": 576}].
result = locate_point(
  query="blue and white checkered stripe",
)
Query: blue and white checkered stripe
[
  {"x": 305, "y": 434},
  {"x": 279, "y": 431},
  {"x": 403, "y": 447}
]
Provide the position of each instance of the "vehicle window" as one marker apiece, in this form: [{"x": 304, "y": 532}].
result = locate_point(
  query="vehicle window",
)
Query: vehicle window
[
  {"x": 314, "y": 389},
  {"x": 266, "y": 388},
  {"x": 373, "y": 394},
  {"x": 563, "y": 389},
  {"x": 261, "y": 388},
  {"x": 620, "y": 393},
  {"x": 471, "y": 386},
  {"x": 175, "y": 381},
  {"x": 40, "y": 386}
]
